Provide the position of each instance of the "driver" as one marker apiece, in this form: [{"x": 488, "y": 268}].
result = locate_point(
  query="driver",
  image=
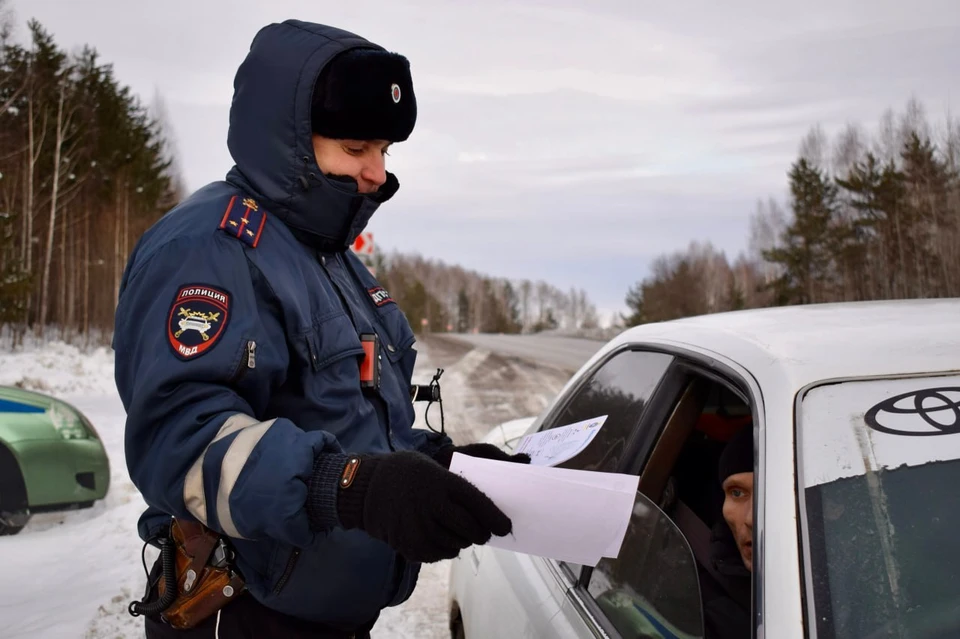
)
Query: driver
[
  {"x": 727, "y": 597},
  {"x": 736, "y": 478}
]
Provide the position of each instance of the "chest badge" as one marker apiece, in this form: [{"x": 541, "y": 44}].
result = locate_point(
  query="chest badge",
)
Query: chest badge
[{"x": 197, "y": 319}]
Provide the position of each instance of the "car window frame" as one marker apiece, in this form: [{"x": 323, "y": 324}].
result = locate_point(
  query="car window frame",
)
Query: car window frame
[{"x": 670, "y": 389}]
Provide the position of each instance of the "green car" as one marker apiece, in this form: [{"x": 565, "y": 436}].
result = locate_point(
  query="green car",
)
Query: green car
[{"x": 51, "y": 458}]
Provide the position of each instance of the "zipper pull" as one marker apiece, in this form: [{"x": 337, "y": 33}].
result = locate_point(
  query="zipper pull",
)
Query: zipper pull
[{"x": 251, "y": 354}]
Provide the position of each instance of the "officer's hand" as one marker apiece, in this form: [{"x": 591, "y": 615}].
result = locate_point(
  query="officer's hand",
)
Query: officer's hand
[
  {"x": 422, "y": 511},
  {"x": 487, "y": 451}
]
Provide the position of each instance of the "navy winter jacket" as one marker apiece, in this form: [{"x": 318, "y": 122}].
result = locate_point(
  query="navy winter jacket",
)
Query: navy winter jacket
[{"x": 238, "y": 352}]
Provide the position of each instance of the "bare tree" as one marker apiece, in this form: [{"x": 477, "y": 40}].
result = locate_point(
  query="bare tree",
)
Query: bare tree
[
  {"x": 6, "y": 20},
  {"x": 574, "y": 313},
  {"x": 766, "y": 226},
  {"x": 61, "y": 167},
  {"x": 887, "y": 145},
  {"x": 950, "y": 142},
  {"x": 814, "y": 146},
  {"x": 34, "y": 150},
  {"x": 526, "y": 295},
  {"x": 849, "y": 148},
  {"x": 913, "y": 120}
]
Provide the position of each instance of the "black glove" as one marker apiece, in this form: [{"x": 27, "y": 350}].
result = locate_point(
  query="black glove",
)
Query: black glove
[
  {"x": 487, "y": 451},
  {"x": 416, "y": 507}
]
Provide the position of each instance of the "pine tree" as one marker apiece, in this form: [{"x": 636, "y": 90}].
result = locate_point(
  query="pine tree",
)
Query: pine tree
[
  {"x": 875, "y": 249},
  {"x": 735, "y": 300},
  {"x": 928, "y": 184},
  {"x": 804, "y": 252}
]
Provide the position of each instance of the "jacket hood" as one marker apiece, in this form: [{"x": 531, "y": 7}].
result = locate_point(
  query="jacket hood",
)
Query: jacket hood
[{"x": 270, "y": 135}]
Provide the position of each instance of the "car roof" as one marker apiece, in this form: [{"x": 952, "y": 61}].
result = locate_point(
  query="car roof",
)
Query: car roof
[{"x": 815, "y": 342}]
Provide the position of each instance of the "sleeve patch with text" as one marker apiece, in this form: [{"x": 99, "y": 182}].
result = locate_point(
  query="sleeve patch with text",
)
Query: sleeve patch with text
[
  {"x": 197, "y": 319},
  {"x": 380, "y": 296}
]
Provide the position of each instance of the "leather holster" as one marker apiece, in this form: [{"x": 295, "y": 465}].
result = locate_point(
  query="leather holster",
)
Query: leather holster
[{"x": 202, "y": 588}]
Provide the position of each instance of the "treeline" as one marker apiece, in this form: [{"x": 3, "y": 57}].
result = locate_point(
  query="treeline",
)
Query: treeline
[
  {"x": 868, "y": 218},
  {"x": 437, "y": 297},
  {"x": 84, "y": 169}
]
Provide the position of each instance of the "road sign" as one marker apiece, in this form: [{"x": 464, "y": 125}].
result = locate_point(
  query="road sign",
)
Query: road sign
[{"x": 363, "y": 245}]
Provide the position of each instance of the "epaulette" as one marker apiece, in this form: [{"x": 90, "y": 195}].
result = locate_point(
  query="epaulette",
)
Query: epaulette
[{"x": 244, "y": 220}]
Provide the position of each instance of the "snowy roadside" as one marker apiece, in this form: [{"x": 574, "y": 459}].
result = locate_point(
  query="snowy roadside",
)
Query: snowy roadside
[{"x": 72, "y": 575}]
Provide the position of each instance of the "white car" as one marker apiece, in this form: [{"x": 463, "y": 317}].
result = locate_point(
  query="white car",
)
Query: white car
[{"x": 855, "y": 412}]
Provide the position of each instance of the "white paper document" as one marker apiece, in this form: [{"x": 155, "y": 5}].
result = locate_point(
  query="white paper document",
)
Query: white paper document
[
  {"x": 557, "y": 445},
  {"x": 569, "y": 515}
]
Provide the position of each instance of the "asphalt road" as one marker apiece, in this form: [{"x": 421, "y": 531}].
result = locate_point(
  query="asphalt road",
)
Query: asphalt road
[{"x": 567, "y": 353}]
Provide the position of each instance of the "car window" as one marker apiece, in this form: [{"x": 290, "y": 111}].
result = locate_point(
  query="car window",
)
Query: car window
[
  {"x": 620, "y": 390},
  {"x": 879, "y": 465},
  {"x": 650, "y": 590},
  {"x": 680, "y": 477}
]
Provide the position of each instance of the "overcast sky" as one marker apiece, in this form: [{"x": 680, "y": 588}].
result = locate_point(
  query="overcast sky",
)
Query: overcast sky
[{"x": 560, "y": 140}]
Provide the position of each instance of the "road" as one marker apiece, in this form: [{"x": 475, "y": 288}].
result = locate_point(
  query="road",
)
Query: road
[{"x": 566, "y": 353}]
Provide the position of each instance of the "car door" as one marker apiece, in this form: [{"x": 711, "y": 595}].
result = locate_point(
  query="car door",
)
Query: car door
[{"x": 518, "y": 595}]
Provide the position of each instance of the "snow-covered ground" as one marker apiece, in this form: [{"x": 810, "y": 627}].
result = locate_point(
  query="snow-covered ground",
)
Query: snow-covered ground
[{"x": 72, "y": 575}]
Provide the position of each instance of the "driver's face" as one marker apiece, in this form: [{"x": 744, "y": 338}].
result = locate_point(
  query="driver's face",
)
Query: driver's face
[{"x": 738, "y": 511}]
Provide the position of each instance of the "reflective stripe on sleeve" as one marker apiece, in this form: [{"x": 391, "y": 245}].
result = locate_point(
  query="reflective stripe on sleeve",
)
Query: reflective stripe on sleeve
[
  {"x": 193, "y": 495},
  {"x": 233, "y": 462}
]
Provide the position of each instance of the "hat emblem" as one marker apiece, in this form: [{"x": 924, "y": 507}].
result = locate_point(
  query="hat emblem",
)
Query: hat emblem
[{"x": 395, "y": 92}]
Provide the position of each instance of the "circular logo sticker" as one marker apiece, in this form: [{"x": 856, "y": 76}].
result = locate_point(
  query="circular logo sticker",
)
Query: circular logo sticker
[
  {"x": 395, "y": 92},
  {"x": 930, "y": 411},
  {"x": 197, "y": 319}
]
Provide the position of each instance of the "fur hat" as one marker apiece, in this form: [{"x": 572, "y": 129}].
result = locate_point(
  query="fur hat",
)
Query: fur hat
[
  {"x": 737, "y": 456},
  {"x": 365, "y": 94}
]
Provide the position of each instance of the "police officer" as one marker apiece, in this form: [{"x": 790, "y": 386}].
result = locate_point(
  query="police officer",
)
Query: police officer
[{"x": 266, "y": 373}]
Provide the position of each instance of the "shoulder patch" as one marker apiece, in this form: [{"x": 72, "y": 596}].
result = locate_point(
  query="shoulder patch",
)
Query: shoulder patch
[
  {"x": 380, "y": 296},
  {"x": 197, "y": 319},
  {"x": 244, "y": 220}
]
